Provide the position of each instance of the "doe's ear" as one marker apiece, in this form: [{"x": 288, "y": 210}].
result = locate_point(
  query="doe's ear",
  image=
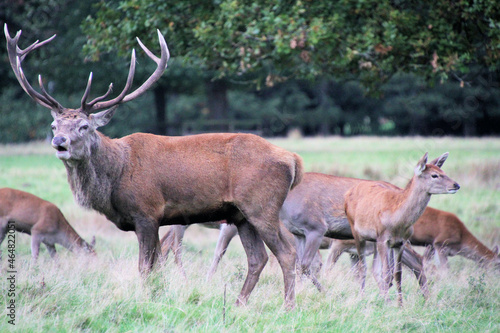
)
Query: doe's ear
[
  {"x": 440, "y": 160},
  {"x": 421, "y": 165},
  {"x": 102, "y": 118}
]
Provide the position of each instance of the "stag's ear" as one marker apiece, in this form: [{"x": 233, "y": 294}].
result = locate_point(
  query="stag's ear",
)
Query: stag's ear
[
  {"x": 440, "y": 160},
  {"x": 421, "y": 165},
  {"x": 102, "y": 118},
  {"x": 495, "y": 249}
]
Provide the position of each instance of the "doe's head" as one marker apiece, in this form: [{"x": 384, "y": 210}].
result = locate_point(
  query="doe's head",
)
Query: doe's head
[{"x": 432, "y": 178}]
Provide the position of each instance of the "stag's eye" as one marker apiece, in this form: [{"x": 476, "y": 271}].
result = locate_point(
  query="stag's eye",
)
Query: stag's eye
[
  {"x": 84, "y": 128},
  {"x": 434, "y": 176},
  {"x": 53, "y": 127}
]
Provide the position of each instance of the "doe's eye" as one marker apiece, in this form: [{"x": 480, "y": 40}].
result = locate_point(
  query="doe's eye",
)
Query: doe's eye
[
  {"x": 53, "y": 127},
  {"x": 434, "y": 176},
  {"x": 84, "y": 127}
]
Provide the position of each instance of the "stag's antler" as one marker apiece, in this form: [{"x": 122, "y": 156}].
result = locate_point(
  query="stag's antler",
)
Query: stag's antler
[{"x": 16, "y": 56}]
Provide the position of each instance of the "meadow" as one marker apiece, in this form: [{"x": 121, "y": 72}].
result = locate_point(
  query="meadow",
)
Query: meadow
[{"x": 77, "y": 293}]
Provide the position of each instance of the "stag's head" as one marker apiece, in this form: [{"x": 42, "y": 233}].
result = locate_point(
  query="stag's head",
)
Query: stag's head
[
  {"x": 432, "y": 178},
  {"x": 75, "y": 129}
]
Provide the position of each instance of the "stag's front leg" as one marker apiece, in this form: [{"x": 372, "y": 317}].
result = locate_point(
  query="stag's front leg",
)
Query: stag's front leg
[
  {"x": 149, "y": 245},
  {"x": 256, "y": 257}
]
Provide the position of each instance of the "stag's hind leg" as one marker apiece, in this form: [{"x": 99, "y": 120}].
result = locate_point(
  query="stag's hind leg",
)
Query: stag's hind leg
[
  {"x": 256, "y": 257},
  {"x": 280, "y": 244}
]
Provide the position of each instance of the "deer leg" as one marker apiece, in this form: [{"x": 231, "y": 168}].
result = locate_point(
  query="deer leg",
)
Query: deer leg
[
  {"x": 398, "y": 273},
  {"x": 149, "y": 245},
  {"x": 334, "y": 255},
  {"x": 178, "y": 236},
  {"x": 227, "y": 233},
  {"x": 281, "y": 245},
  {"x": 52, "y": 250},
  {"x": 312, "y": 243},
  {"x": 3, "y": 233},
  {"x": 361, "y": 264},
  {"x": 256, "y": 257},
  {"x": 166, "y": 242},
  {"x": 429, "y": 254},
  {"x": 442, "y": 257},
  {"x": 414, "y": 261},
  {"x": 385, "y": 269},
  {"x": 36, "y": 239}
]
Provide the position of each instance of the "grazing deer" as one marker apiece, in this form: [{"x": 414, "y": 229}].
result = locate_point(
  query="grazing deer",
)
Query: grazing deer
[
  {"x": 380, "y": 212},
  {"x": 143, "y": 181},
  {"x": 40, "y": 219},
  {"x": 315, "y": 208},
  {"x": 444, "y": 233}
]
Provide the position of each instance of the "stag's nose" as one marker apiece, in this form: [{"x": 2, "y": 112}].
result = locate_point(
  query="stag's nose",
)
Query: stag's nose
[
  {"x": 59, "y": 141},
  {"x": 457, "y": 187}
]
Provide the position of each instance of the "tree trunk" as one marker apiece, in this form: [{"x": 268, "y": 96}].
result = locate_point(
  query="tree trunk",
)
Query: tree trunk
[
  {"x": 217, "y": 103},
  {"x": 161, "y": 110}
]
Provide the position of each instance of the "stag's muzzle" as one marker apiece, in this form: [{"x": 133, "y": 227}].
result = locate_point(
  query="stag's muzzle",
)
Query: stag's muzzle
[{"x": 61, "y": 144}]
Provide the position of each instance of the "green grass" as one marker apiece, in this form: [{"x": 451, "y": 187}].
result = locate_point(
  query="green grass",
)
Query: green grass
[{"x": 105, "y": 293}]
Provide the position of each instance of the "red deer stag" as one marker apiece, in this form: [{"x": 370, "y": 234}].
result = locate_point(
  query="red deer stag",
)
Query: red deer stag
[
  {"x": 40, "y": 219},
  {"x": 142, "y": 181},
  {"x": 380, "y": 212}
]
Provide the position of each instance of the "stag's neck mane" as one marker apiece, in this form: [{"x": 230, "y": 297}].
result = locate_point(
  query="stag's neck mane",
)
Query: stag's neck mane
[
  {"x": 411, "y": 203},
  {"x": 92, "y": 179}
]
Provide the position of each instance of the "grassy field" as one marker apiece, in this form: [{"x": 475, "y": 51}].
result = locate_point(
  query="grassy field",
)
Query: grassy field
[{"x": 105, "y": 293}]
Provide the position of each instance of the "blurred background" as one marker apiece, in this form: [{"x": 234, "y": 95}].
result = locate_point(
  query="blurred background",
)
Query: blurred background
[{"x": 274, "y": 68}]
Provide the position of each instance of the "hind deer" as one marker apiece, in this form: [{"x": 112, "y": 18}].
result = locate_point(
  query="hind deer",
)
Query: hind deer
[
  {"x": 40, "y": 219},
  {"x": 380, "y": 212},
  {"x": 142, "y": 181}
]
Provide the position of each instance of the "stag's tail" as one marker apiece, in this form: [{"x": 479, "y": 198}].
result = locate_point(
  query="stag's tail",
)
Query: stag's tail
[{"x": 299, "y": 170}]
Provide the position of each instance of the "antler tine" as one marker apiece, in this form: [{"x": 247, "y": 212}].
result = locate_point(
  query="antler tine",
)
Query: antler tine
[
  {"x": 161, "y": 66},
  {"x": 118, "y": 99},
  {"x": 98, "y": 99},
  {"x": 87, "y": 92},
  {"x": 16, "y": 56},
  {"x": 44, "y": 92},
  {"x": 87, "y": 107}
]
